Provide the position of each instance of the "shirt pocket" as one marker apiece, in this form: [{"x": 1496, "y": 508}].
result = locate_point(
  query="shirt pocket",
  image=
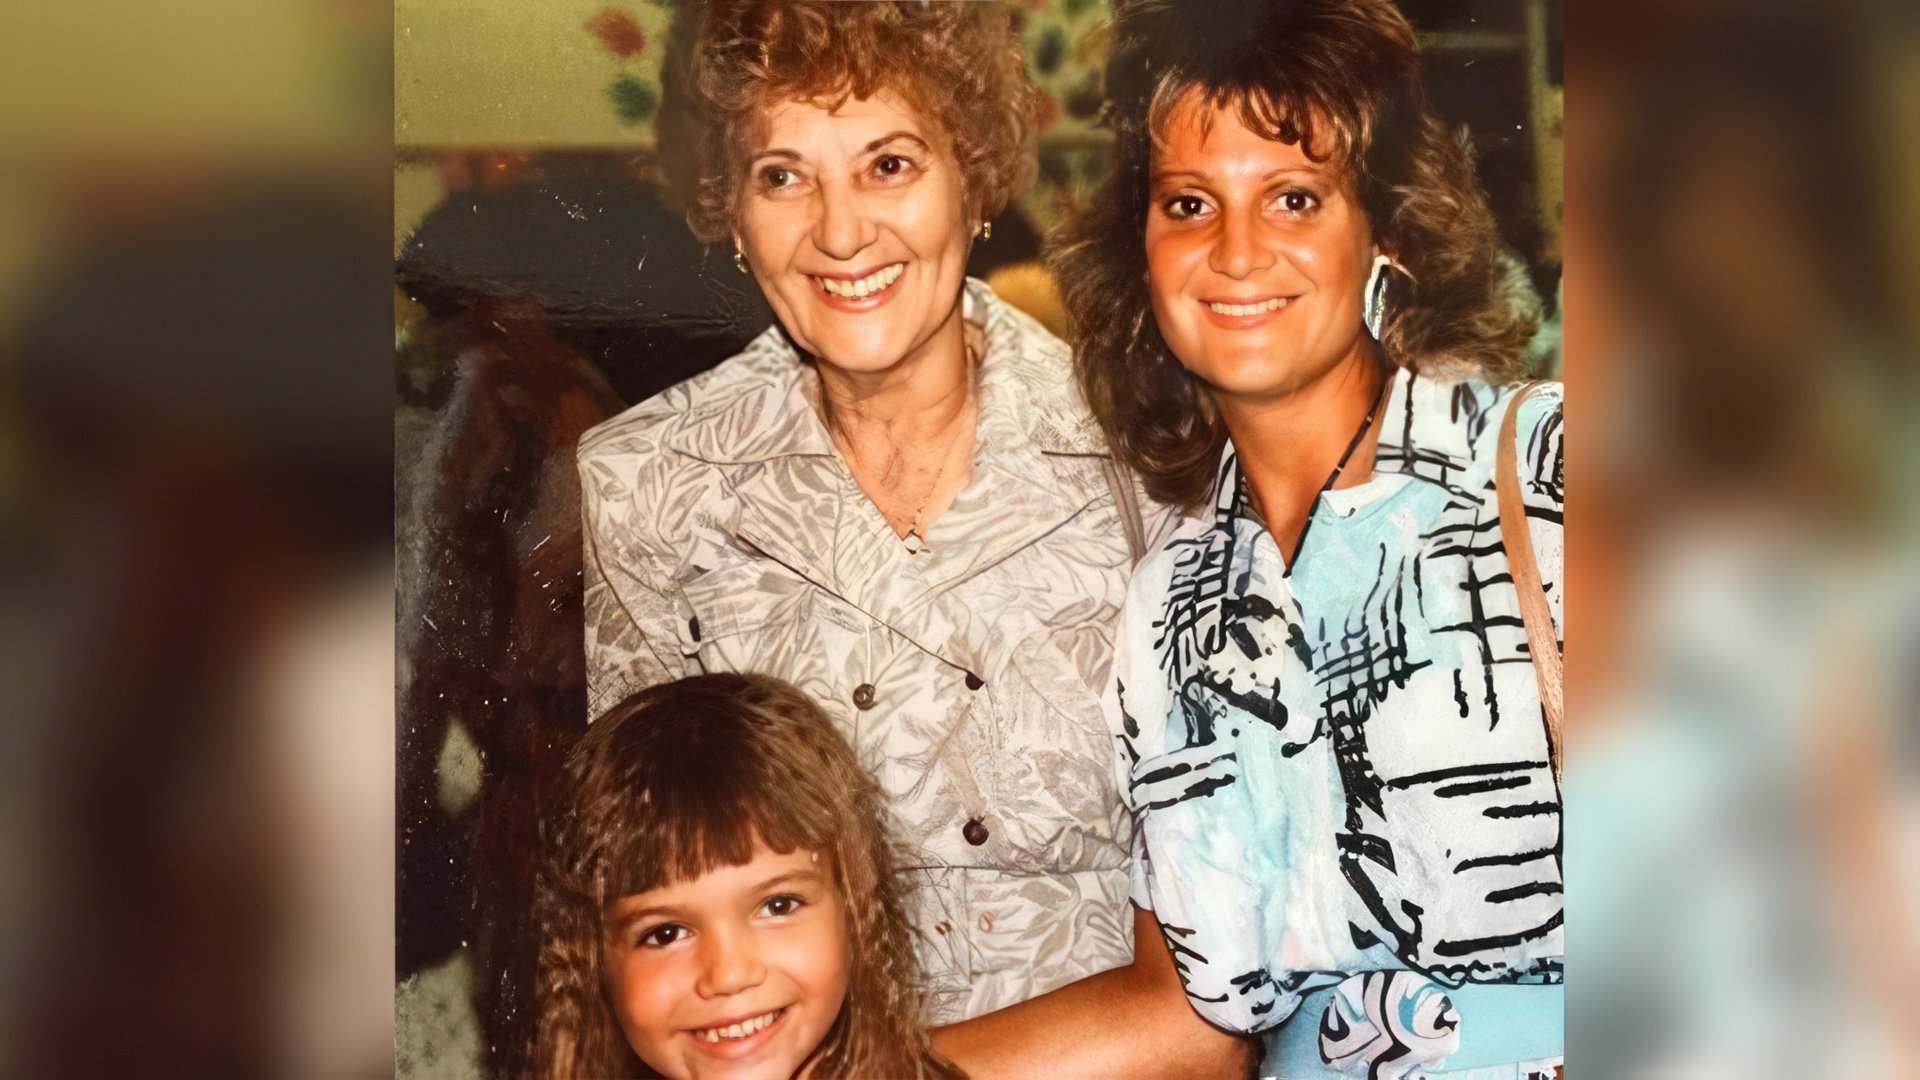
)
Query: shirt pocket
[
  {"x": 1053, "y": 784},
  {"x": 738, "y": 598}
]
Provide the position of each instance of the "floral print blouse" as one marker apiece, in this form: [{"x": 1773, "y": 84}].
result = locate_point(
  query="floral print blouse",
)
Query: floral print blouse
[{"x": 724, "y": 533}]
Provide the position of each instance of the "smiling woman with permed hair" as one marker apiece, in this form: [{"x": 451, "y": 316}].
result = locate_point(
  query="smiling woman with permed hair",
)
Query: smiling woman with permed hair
[{"x": 895, "y": 498}]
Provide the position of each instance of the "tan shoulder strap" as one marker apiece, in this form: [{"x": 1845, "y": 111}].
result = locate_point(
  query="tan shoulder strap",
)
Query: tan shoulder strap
[
  {"x": 1128, "y": 505},
  {"x": 1542, "y": 644}
]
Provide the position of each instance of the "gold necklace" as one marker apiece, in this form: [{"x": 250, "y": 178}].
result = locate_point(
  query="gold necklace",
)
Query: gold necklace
[{"x": 915, "y": 537}]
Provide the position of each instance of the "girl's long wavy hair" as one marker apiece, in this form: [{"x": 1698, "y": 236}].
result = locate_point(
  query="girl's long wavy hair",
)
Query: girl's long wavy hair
[
  {"x": 958, "y": 64},
  {"x": 1341, "y": 79},
  {"x": 684, "y": 778}
]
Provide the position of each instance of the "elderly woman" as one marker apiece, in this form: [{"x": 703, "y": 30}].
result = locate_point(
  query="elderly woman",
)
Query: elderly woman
[
  {"x": 1295, "y": 322},
  {"x": 895, "y": 498}
]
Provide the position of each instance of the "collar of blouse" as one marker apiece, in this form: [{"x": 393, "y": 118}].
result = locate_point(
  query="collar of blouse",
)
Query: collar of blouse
[{"x": 1028, "y": 400}]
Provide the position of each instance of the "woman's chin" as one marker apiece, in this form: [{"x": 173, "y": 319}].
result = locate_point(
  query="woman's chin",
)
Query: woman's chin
[
  {"x": 1253, "y": 378},
  {"x": 859, "y": 357}
]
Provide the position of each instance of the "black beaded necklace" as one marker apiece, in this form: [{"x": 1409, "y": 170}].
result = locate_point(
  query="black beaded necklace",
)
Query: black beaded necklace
[{"x": 1352, "y": 445}]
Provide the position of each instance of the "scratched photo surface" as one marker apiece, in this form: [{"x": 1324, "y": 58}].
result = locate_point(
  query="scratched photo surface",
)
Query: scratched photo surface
[
  {"x": 299, "y": 319},
  {"x": 546, "y": 283}
]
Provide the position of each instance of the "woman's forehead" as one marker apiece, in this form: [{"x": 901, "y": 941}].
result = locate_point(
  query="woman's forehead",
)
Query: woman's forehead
[
  {"x": 821, "y": 123},
  {"x": 1199, "y": 110},
  {"x": 1212, "y": 136}
]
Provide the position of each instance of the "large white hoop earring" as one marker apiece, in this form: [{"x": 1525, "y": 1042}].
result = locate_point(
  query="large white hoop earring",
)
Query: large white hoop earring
[{"x": 1373, "y": 298}]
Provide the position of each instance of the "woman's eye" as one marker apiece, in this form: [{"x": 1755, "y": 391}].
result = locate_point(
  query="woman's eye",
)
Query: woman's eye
[
  {"x": 1182, "y": 207},
  {"x": 891, "y": 165},
  {"x": 776, "y": 177},
  {"x": 663, "y": 935},
  {"x": 1297, "y": 201},
  {"x": 781, "y": 906}
]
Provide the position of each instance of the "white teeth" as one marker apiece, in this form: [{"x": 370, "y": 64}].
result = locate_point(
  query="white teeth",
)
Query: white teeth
[
  {"x": 736, "y": 1031},
  {"x": 866, "y": 286},
  {"x": 1274, "y": 304}
]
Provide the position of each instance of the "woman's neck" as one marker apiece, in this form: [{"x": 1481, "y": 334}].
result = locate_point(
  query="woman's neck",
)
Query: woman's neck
[
  {"x": 919, "y": 397},
  {"x": 906, "y": 432},
  {"x": 1288, "y": 444}
]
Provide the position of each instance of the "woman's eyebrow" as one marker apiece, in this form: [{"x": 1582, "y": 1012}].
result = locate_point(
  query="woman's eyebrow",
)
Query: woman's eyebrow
[
  {"x": 891, "y": 136},
  {"x": 1314, "y": 171},
  {"x": 1160, "y": 176},
  {"x": 782, "y": 152}
]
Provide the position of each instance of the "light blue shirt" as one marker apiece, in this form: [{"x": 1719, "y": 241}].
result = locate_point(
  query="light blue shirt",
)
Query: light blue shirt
[{"x": 1344, "y": 769}]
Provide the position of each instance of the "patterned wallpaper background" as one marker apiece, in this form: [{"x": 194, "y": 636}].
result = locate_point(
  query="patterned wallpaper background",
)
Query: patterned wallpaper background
[
  {"x": 580, "y": 78},
  {"x": 1064, "y": 43}
]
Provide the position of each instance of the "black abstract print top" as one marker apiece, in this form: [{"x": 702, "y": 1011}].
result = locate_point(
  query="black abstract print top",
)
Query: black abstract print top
[{"x": 1343, "y": 770}]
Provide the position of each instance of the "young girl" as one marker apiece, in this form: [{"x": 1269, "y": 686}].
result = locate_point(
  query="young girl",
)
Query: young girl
[{"x": 719, "y": 898}]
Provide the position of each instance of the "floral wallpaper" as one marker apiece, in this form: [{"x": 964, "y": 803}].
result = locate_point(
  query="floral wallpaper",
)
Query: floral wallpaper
[{"x": 1064, "y": 46}]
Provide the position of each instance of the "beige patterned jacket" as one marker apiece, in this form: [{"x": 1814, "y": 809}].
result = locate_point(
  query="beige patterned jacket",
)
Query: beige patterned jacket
[{"x": 724, "y": 533}]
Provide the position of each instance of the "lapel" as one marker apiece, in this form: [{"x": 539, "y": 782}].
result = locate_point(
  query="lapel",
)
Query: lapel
[
  {"x": 1037, "y": 450},
  {"x": 1036, "y": 467}
]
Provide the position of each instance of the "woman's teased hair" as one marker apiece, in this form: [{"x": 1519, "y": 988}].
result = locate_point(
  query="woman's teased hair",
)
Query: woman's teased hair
[
  {"x": 958, "y": 64},
  {"x": 682, "y": 779},
  {"x": 1341, "y": 79}
]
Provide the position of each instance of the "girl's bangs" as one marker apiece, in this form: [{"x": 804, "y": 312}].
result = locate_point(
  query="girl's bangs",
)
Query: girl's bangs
[{"x": 695, "y": 822}]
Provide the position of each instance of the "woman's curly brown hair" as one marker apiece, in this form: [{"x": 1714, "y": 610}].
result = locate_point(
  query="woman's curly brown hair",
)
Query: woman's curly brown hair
[
  {"x": 683, "y": 778},
  {"x": 1340, "y": 78},
  {"x": 958, "y": 65}
]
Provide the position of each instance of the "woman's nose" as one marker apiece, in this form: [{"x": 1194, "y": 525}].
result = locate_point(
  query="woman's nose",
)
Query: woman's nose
[
  {"x": 730, "y": 962},
  {"x": 1239, "y": 247},
  {"x": 843, "y": 228}
]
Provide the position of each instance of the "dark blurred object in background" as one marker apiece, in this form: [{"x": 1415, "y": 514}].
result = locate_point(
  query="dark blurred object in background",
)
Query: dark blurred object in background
[
  {"x": 198, "y": 489},
  {"x": 588, "y": 244},
  {"x": 529, "y": 313}
]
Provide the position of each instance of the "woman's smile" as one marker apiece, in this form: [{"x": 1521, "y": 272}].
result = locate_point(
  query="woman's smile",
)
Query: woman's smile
[
  {"x": 859, "y": 292},
  {"x": 1231, "y": 313}
]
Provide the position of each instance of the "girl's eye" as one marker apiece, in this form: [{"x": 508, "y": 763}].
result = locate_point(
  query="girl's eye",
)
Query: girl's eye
[
  {"x": 1182, "y": 207},
  {"x": 782, "y": 906},
  {"x": 1298, "y": 201},
  {"x": 662, "y": 936}
]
